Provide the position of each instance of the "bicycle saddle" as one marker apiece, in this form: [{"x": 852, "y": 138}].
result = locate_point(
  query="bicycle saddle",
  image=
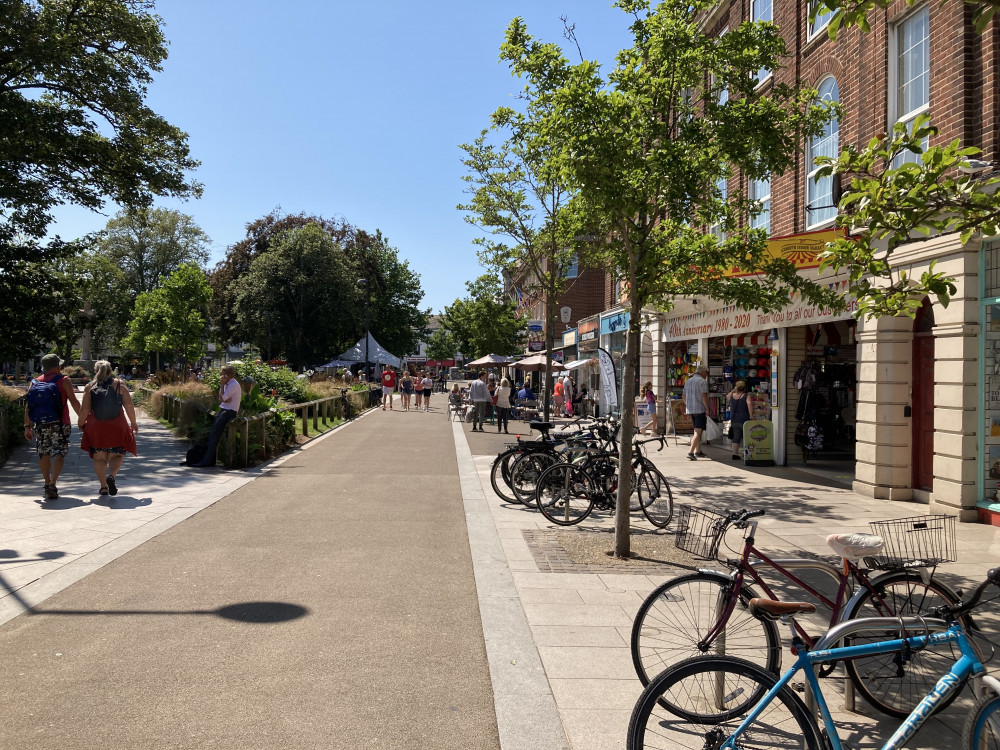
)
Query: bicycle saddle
[
  {"x": 855, "y": 546},
  {"x": 540, "y": 426},
  {"x": 771, "y": 610}
]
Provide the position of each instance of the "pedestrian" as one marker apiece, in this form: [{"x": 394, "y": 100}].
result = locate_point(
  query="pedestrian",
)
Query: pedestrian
[
  {"x": 47, "y": 422},
  {"x": 650, "y": 398},
  {"x": 557, "y": 396},
  {"x": 481, "y": 400},
  {"x": 696, "y": 404},
  {"x": 406, "y": 389},
  {"x": 427, "y": 384},
  {"x": 388, "y": 386},
  {"x": 739, "y": 414},
  {"x": 230, "y": 395},
  {"x": 526, "y": 393},
  {"x": 107, "y": 435},
  {"x": 568, "y": 394},
  {"x": 418, "y": 390},
  {"x": 502, "y": 397}
]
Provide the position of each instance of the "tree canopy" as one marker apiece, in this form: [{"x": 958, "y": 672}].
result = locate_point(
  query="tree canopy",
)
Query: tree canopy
[
  {"x": 648, "y": 151},
  {"x": 173, "y": 317},
  {"x": 483, "y": 322}
]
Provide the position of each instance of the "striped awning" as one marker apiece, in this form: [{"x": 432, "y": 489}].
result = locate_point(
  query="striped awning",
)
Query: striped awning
[{"x": 748, "y": 339}]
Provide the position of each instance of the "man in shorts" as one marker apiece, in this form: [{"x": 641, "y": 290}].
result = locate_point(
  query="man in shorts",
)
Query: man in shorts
[
  {"x": 51, "y": 432},
  {"x": 388, "y": 386},
  {"x": 696, "y": 403}
]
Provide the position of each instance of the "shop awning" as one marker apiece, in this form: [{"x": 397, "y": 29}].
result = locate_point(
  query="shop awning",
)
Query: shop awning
[
  {"x": 578, "y": 363},
  {"x": 748, "y": 339}
]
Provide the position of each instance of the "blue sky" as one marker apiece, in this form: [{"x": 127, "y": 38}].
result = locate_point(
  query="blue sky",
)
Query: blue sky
[{"x": 352, "y": 109}]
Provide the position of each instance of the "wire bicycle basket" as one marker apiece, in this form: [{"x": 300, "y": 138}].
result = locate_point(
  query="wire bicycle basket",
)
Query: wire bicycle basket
[
  {"x": 698, "y": 531},
  {"x": 918, "y": 541}
]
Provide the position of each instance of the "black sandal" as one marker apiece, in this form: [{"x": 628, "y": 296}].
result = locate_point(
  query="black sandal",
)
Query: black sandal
[
  {"x": 112, "y": 487},
  {"x": 104, "y": 490}
]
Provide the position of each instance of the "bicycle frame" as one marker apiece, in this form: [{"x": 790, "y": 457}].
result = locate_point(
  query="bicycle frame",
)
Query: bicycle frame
[
  {"x": 968, "y": 664},
  {"x": 745, "y": 568}
]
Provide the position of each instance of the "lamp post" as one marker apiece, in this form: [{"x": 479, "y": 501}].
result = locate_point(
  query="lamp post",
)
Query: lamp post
[{"x": 363, "y": 283}]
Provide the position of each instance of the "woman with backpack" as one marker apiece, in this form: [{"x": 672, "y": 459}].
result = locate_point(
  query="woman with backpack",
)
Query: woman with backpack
[{"x": 106, "y": 433}]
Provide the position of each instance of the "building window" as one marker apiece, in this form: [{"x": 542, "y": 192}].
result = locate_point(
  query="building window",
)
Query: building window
[
  {"x": 722, "y": 185},
  {"x": 761, "y": 10},
  {"x": 820, "y": 205},
  {"x": 819, "y": 23},
  {"x": 912, "y": 73},
  {"x": 573, "y": 266},
  {"x": 760, "y": 191}
]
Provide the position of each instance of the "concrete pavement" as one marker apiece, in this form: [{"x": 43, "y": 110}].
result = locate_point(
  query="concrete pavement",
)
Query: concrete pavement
[{"x": 272, "y": 616}]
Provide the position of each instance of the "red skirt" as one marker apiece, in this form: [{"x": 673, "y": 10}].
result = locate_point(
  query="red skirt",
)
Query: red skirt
[{"x": 113, "y": 436}]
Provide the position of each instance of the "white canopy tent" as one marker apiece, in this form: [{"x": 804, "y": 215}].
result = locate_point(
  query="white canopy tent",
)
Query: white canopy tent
[{"x": 376, "y": 354}]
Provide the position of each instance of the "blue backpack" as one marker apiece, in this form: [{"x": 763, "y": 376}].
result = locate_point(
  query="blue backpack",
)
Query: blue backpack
[{"x": 45, "y": 403}]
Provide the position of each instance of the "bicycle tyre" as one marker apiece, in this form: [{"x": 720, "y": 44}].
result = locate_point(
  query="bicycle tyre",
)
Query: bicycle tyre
[
  {"x": 524, "y": 473},
  {"x": 982, "y": 728},
  {"x": 565, "y": 494},
  {"x": 500, "y": 475},
  {"x": 875, "y": 677},
  {"x": 664, "y": 634},
  {"x": 706, "y": 686},
  {"x": 655, "y": 497}
]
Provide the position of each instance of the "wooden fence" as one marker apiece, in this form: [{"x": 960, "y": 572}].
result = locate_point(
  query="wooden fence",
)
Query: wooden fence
[
  {"x": 10, "y": 414},
  {"x": 242, "y": 432}
]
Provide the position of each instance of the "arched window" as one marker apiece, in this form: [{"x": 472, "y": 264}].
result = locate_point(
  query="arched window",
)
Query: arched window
[{"x": 820, "y": 205}]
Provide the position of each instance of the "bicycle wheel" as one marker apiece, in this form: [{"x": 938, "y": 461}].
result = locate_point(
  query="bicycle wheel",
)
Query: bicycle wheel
[
  {"x": 524, "y": 473},
  {"x": 677, "y": 616},
  {"x": 982, "y": 728},
  {"x": 655, "y": 497},
  {"x": 565, "y": 494},
  {"x": 708, "y": 697},
  {"x": 895, "y": 689},
  {"x": 500, "y": 475}
]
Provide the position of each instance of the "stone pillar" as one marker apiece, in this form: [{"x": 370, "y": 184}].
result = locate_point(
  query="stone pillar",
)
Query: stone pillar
[{"x": 885, "y": 349}]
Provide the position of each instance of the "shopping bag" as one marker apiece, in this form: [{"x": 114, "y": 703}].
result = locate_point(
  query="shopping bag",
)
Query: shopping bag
[{"x": 712, "y": 430}]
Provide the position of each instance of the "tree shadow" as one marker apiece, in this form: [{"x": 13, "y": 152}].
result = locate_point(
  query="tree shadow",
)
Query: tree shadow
[{"x": 117, "y": 502}]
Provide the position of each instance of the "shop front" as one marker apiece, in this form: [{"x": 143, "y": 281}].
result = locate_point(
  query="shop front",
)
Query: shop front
[{"x": 798, "y": 367}]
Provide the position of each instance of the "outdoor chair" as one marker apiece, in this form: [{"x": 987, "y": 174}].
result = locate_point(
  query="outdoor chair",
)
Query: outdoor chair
[
  {"x": 527, "y": 410},
  {"x": 456, "y": 409}
]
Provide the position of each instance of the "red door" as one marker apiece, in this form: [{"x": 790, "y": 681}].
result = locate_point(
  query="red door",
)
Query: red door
[{"x": 923, "y": 411}]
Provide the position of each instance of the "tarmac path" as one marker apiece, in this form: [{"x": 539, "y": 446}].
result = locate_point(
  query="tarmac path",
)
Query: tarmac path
[{"x": 329, "y": 603}]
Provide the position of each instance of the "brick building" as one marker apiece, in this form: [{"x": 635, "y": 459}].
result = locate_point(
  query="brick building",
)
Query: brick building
[{"x": 906, "y": 407}]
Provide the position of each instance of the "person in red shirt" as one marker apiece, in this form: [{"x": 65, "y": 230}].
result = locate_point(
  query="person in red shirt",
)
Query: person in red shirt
[{"x": 388, "y": 386}]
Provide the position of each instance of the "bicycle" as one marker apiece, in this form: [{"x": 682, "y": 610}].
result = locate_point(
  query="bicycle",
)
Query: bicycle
[
  {"x": 726, "y": 702},
  {"x": 500, "y": 472},
  {"x": 695, "y": 613},
  {"x": 525, "y": 469},
  {"x": 568, "y": 492}
]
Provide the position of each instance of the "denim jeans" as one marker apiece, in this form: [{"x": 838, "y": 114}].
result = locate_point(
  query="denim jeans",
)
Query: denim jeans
[
  {"x": 502, "y": 415},
  {"x": 222, "y": 419}
]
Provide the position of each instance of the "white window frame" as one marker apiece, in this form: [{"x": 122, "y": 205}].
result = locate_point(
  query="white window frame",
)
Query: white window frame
[
  {"x": 722, "y": 185},
  {"x": 813, "y": 32},
  {"x": 811, "y": 168},
  {"x": 754, "y": 18},
  {"x": 765, "y": 200},
  {"x": 895, "y": 116},
  {"x": 573, "y": 267}
]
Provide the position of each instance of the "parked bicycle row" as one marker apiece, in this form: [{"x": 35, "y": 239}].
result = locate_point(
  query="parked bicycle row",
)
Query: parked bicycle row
[{"x": 567, "y": 475}]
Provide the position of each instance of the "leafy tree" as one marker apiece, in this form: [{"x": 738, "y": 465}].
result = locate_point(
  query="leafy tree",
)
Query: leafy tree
[
  {"x": 74, "y": 128},
  {"x": 648, "y": 150},
  {"x": 397, "y": 321},
  {"x": 240, "y": 256},
  {"x": 519, "y": 197},
  {"x": 441, "y": 345},
  {"x": 849, "y": 13},
  {"x": 484, "y": 322},
  {"x": 173, "y": 318},
  {"x": 297, "y": 293}
]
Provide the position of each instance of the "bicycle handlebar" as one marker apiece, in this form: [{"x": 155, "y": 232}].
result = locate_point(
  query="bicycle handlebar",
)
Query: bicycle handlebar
[
  {"x": 952, "y": 611},
  {"x": 739, "y": 518}
]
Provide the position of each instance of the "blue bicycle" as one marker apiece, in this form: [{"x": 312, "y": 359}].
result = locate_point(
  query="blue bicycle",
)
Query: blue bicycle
[{"x": 723, "y": 703}]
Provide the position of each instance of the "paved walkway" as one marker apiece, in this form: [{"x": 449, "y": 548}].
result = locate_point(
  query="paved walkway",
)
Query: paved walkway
[{"x": 343, "y": 596}]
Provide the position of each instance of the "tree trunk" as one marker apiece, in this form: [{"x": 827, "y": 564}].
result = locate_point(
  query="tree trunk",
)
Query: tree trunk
[
  {"x": 622, "y": 507},
  {"x": 550, "y": 337}
]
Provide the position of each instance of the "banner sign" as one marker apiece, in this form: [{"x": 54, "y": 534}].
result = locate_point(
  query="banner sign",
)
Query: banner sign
[
  {"x": 608, "y": 385},
  {"x": 758, "y": 442},
  {"x": 535, "y": 326},
  {"x": 536, "y": 346},
  {"x": 801, "y": 250},
  {"x": 726, "y": 321},
  {"x": 617, "y": 323},
  {"x": 569, "y": 337}
]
